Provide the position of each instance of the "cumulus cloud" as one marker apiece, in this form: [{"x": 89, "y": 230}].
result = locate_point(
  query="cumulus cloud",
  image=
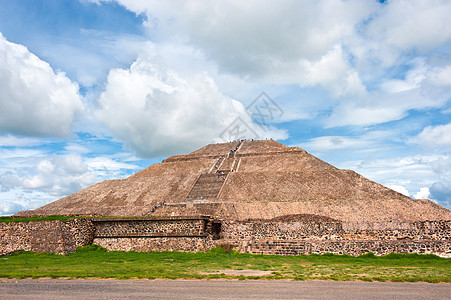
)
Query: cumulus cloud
[
  {"x": 423, "y": 193},
  {"x": 285, "y": 42},
  {"x": 14, "y": 141},
  {"x": 380, "y": 107},
  {"x": 34, "y": 100},
  {"x": 342, "y": 46},
  {"x": 155, "y": 112},
  {"x": 60, "y": 175},
  {"x": 333, "y": 143},
  {"x": 423, "y": 87},
  {"x": 8, "y": 180},
  {"x": 441, "y": 192},
  {"x": 442, "y": 165},
  {"x": 89, "y": 65},
  {"x": 425, "y": 28},
  {"x": 399, "y": 189},
  {"x": 436, "y": 135},
  {"x": 412, "y": 172},
  {"x": 10, "y": 208}
]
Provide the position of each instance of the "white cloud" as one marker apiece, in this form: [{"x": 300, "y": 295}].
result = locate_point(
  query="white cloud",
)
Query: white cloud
[
  {"x": 76, "y": 148},
  {"x": 441, "y": 192},
  {"x": 15, "y": 200},
  {"x": 407, "y": 24},
  {"x": 412, "y": 172},
  {"x": 412, "y": 78},
  {"x": 399, "y": 189},
  {"x": 346, "y": 47},
  {"x": 332, "y": 143},
  {"x": 102, "y": 50},
  {"x": 34, "y": 101},
  {"x": 287, "y": 42},
  {"x": 440, "y": 76},
  {"x": 14, "y": 141},
  {"x": 379, "y": 107},
  {"x": 442, "y": 165},
  {"x": 436, "y": 135},
  {"x": 60, "y": 175},
  {"x": 423, "y": 87},
  {"x": 105, "y": 163},
  {"x": 369, "y": 143},
  {"x": 10, "y": 208},
  {"x": 423, "y": 193},
  {"x": 155, "y": 112}
]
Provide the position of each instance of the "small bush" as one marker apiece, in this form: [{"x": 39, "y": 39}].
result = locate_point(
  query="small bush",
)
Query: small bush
[
  {"x": 20, "y": 252},
  {"x": 227, "y": 247},
  {"x": 37, "y": 219},
  {"x": 91, "y": 248},
  {"x": 328, "y": 254},
  {"x": 367, "y": 255},
  {"x": 217, "y": 250}
]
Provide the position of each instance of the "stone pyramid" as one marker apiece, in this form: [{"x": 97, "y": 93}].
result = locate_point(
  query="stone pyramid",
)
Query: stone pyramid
[{"x": 246, "y": 180}]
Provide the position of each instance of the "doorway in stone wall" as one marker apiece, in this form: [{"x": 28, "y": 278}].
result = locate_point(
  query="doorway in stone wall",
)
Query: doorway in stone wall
[{"x": 216, "y": 230}]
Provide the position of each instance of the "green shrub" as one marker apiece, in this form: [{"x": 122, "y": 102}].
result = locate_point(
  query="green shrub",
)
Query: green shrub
[
  {"x": 36, "y": 219},
  {"x": 367, "y": 255},
  {"x": 227, "y": 247},
  {"x": 91, "y": 248}
]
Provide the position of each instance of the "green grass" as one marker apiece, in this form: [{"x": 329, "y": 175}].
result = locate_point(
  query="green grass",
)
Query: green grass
[
  {"x": 58, "y": 217},
  {"x": 94, "y": 262},
  {"x": 36, "y": 219}
]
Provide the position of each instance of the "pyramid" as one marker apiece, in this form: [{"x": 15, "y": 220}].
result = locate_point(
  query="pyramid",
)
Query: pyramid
[{"x": 243, "y": 180}]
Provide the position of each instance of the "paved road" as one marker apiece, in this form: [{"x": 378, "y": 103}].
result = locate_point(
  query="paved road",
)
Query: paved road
[{"x": 216, "y": 289}]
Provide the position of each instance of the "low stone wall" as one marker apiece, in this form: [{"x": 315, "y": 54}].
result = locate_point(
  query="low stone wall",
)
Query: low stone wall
[
  {"x": 335, "y": 230},
  {"x": 350, "y": 247},
  {"x": 145, "y": 244},
  {"x": 235, "y": 230},
  {"x": 46, "y": 236},
  {"x": 326, "y": 236},
  {"x": 189, "y": 234},
  {"x": 283, "y": 237},
  {"x": 415, "y": 231},
  {"x": 151, "y": 227}
]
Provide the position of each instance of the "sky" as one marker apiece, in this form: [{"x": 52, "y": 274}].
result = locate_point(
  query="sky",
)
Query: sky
[{"x": 92, "y": 90}]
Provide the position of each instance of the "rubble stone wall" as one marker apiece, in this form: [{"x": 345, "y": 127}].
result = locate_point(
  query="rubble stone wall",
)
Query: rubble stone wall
[
  {"x": 330, "y": 230},
  {"x": 198, "y": 234},
  {"x": 144, "y": 244},
  {"x": 294, "y": 238},
  {"x": 150, "y": 228},
  {"x": 350, "y": 247},
  {"x": 45, "y": 236},
  {"x": 154, "y": 234}
]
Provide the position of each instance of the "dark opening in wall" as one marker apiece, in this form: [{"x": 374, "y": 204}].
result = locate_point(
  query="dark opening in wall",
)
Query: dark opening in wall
[{"x": 216, "y": 230}]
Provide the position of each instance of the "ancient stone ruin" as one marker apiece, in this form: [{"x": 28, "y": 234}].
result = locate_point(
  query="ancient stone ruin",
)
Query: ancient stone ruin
[{"x": 259, "y": 196}]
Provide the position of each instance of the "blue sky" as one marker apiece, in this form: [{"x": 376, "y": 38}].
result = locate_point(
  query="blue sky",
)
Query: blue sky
[{"x": 93, "y": 90}]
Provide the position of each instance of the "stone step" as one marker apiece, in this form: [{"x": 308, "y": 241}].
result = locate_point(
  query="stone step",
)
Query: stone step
[
  {"x": 206, "y": 186},
  {"x": 227, "y": 165}
]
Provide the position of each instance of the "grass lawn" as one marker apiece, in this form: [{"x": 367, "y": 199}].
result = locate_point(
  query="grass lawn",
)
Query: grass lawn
[
  {"x": 94, "y": 262},
  {"x": 36, "y": 219}
]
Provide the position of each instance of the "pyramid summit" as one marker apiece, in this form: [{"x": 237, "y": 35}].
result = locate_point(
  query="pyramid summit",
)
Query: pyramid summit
[{"x": 243, "y": 180}]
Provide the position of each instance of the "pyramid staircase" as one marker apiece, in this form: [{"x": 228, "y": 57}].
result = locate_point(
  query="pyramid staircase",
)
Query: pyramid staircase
[
  {"x": 206, "y": 187},
  {"x": 209, "y": 185}
]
